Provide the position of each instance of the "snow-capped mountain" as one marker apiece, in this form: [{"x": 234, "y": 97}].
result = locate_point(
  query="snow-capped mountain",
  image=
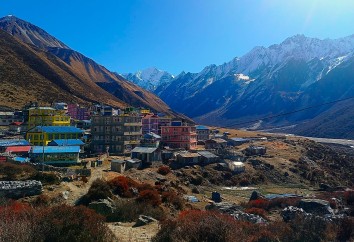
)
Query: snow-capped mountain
[
  {"x": 149, "y": 78},
  {"x": 266, "y": 81}
]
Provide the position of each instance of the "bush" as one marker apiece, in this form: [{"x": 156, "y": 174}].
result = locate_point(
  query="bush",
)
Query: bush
[
  {"x": 173, "y": 199},
  {"x": 122, "y": 186},
  {"x": 11, "y": 171},
  {"x": 258, "y": 203},
  {"x": 257, "y": 211},
  {"x": 98, "y": 190},
  {"x": 47, "y": 178},
  {"x": 349, "y": 197},
  {"x": 164, "y": 170},
  {"x": 128, "y": 210},
  {"x": 20, "y": 222},
  {"x": 195, "y": 225},
  {"x": 151, "y": 197}
]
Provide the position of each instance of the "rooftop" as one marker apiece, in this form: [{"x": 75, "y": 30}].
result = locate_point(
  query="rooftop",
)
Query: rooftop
[
  {"x": 13, "y": 142},
  {"x": 66, "y": 142},
  {"x": 57, "y": 129},
  {"x": 202, "y": 127},
  {"x": 207, "y": 154},
  {"x": 188, "y": 154},
  {"x": 55, "y": 149},
  {"x": 147, "y": 150},
  {"x": 18, "y": 149}
]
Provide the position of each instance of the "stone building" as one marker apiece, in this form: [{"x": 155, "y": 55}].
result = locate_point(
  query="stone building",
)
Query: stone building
[{"x": 116, "y": 134}]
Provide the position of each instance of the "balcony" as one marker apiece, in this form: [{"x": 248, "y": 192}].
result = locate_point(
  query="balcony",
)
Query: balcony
[
  {"x": 133, "y": 124},
  {"x": 131, "y": 142},
  {"x": 132, "y": 133}
]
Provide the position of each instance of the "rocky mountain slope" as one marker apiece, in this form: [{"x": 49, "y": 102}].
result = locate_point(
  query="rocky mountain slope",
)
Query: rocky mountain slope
[
  {"x": 149, "y": 78},
  {"x": 297, "y": 73},
  {"x": 92, "y": 81}
]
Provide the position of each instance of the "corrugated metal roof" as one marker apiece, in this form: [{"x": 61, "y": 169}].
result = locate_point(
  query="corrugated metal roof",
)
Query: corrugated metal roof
[
  {"x": 240, "y": 139},
  {"x": 55, "y": 149},
  {"x": 57, "y": 129},
  {"x": 147, "y": 150},
  {"x": 201, "y": 127},
  {"x": 151, "y": 134},
  {"x": 13, "y": 142},
  {"x": 188, "y": 154},
  {"x": 18, "y": 149},
  {"x": 207, "y": 154},
  {"x": 66, "y": 142}
]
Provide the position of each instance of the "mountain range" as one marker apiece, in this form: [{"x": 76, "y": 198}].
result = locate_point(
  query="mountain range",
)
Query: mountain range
[
  {"x": 35, "y": 66},
  {"x": 299, "y": 73}
]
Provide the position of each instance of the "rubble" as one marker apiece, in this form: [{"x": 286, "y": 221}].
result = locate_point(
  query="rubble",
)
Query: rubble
[{"x": 19, "y": 189}]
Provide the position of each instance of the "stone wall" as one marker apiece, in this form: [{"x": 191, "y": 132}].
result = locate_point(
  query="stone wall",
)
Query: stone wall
[{"x": 19, "y": 189}]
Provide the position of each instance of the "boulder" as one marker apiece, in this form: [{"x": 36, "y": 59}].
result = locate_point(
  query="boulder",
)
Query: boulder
[
  {"x": 289, "y": 213},
  {"x": 104, "y": 207},
  {"x": 256, "y": 195},
  {"x": 144, "y": 220},
  {"x": 316, "y": 206},
  {"x": 236, "y": 212}
]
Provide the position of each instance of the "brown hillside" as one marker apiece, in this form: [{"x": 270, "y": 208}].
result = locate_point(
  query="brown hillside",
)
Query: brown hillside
[
  {"x": 29, "y": 74},
  {"x": 73, "y": 72}
]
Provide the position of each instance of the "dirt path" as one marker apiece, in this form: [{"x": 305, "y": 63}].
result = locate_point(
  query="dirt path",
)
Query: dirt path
[
  {"x": 125, "y": 232},
  {"x": 77, "y": 189}
]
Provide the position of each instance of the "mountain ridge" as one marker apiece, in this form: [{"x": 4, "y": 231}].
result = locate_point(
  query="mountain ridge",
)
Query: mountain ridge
[{"x": 107, "y": 85}]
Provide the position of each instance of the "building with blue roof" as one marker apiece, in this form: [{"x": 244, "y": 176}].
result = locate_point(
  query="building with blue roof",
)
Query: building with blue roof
[
  {"x": 43, "y": 135},
  {"x": 55, "y": 155},
  {"x": 4, "y": 143},
  {"x": 202, "y": 132},
  {"x": 66, "y": 142}
]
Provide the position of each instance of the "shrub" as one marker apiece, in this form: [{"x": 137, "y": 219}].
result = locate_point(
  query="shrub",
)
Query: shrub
[
  {"x": 258, "y": 203},
  {"x": 205, "y": 226},
  {"x": 244, "y": 182},
  {"x": 349, "y": 197},
  {"x": 47, "y": 178},
  {"x": 173, "y": 199},
  {"x": 98, "y": 190},
  {"x": 20, "y": 222},
  {"x": 11, "y": 171},
  {"x": 257, "y": 211},
  {"x": 164, "y": 170},
  {"x": 122, "y": 186},
  {"x": 151, "y": 197},
  {"x": 128, "y": 210}
]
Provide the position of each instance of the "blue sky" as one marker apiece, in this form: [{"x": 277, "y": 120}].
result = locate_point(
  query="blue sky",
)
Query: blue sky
[{"x": 177, "y": 35}]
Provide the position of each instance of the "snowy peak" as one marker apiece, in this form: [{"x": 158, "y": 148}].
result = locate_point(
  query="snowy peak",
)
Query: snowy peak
[{"x": 149, "y": 78}]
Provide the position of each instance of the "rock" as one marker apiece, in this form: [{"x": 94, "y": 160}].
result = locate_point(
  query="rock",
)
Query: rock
[
  {"x": 256, "y": 195},
  {"x": 144, "y": 220},
  {"x": 104, "y": 207},
  {"x": 236, "y": 212},
  {"x": 195, "y": 190},
  {"x": 289, "y": 213},
  {"x": 325, "y": 187},
  {"x": 316, "y": 206},
  {"x": 20, "y": 189},
  {"x": 65, "y": 194}
]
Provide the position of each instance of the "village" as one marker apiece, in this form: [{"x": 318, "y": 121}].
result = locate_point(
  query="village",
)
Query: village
[
  {"x": 66, "y": 153},
  {"x": 68, "y": 134}
]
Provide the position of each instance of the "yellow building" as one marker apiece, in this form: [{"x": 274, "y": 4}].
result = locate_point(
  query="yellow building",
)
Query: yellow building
[
  {"x": 47, "y": 116},
  {"x": 45, "y": 134}
]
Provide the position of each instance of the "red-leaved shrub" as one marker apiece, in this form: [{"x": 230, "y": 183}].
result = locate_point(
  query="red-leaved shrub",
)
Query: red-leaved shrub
[
  {"x": 151, "y": 197},
  {"x": 164, "y": 170},
  {"x": 257, "y": 211}
]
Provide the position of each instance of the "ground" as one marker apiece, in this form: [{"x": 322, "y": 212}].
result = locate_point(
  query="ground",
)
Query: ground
[{"x": 292, "y": 165}]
